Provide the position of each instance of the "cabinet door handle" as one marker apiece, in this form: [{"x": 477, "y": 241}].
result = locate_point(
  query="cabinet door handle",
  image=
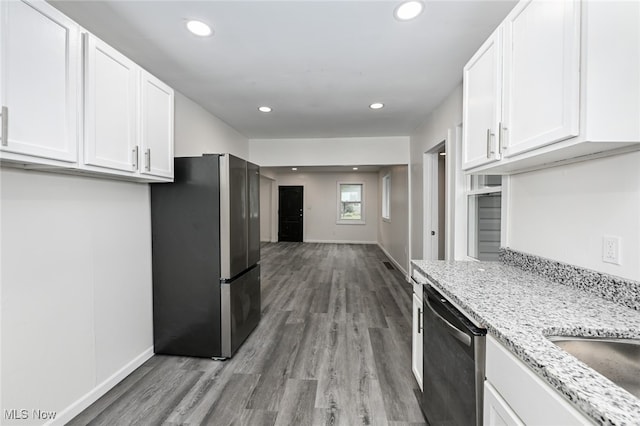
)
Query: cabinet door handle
[
  {"x": 147, "y": 160},
  {"x": 500, "y": 136},
  {"x": 420, "y": 319},
  {"x": 5, "y": 126},
  {"x": 489, "y": 151},
  {"x": 135, "y": 157}
]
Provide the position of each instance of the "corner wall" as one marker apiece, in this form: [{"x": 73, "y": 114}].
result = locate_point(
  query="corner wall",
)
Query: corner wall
[
  {"x": 76, "y": 287},
  {"x": 199, "y": 132},
  {"x": 435, "y": 129},
  {"x": 393, "y": 234},
  {"x": 75, "y": 278}
]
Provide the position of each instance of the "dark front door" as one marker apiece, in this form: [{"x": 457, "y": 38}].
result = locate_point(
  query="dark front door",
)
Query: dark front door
[{"x": 290, "y": 213}]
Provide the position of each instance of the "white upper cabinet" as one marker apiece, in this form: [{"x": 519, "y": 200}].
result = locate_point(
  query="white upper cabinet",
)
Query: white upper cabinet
[
  {"x": 156, "y": 109},
  {"x": 482, "y": 97},
  {"x": 70, "y": 102},
  {"x": 541, "y": 75},
  {"x": 569, "y": 79},
  {"x": 111, "y": 113},
  {"x": 39, "y": 83}
]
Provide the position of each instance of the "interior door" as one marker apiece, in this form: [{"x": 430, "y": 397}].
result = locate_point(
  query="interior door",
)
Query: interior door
[{"x": 290, "y": 213}]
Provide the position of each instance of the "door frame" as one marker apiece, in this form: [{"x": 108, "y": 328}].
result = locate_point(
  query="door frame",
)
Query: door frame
[
  {"x": 277, "y": 208},
  {"x": 430, "y": 202}
]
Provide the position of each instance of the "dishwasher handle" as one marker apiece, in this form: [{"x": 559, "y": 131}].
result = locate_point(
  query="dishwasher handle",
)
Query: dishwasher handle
[{"x": 453, "y": 330}]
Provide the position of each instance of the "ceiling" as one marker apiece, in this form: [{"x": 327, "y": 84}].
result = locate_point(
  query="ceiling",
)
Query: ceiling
[{"x": 318, "y": 64}]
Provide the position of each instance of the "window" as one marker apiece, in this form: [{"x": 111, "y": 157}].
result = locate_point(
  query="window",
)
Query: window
[
  {"x": 350, "y": 203},
  {"x": 386, "y": 197},
  {"x": 484, "y": 212}
]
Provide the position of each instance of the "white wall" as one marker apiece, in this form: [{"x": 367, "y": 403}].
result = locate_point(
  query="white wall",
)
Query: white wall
[
  {"x": 76, "y": 285},
  {"x": 436, "y": 128},
  {"x": 330, "y": 151},
  {"x": 199, "y": 132},
  {"x": 562, "y": 213},
  {"x": 320, "y": 206},
  {"x": 393, "y": 235},
  {"x": 266, "y": 209}
]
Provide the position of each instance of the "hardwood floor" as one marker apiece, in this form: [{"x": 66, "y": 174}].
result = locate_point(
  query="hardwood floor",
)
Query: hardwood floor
[{"x": 333, "y": 347}]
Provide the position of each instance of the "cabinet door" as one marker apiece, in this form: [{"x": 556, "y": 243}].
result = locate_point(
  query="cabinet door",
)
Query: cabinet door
[
  {"x": 496, "y": 412},
  {"x": 541, "y": 74},
  {"x": 156, "y": 126},
  {"x": 40, "y": 72},
  {"x": 110, "y": 107},
  {"x": 482, "y": 93},
  {"x": 417, "y": 341}
]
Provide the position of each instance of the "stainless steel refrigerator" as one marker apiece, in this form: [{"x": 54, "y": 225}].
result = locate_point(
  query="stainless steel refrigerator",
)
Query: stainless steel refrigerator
[{"x": 206, "y": 254}]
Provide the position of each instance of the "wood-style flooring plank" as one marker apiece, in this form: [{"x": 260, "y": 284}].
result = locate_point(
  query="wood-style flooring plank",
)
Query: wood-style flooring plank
[
  {"x": 153, "y": 401},
  {"x": 110, "y": 397},
  {"x": 232, "y": 401},
  {"x": 394, "y": 373},
  {"x": 204, "y": 393},
  {"x": 312, "y": 352},
  {"x": 257, "y": 418},
  {"x": 297, "y": 403},
  {"x": 267, "y": 393}
]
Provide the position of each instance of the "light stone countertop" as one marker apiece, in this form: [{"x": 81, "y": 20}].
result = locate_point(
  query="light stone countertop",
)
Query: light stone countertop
[{"x": 519, "y": 308}]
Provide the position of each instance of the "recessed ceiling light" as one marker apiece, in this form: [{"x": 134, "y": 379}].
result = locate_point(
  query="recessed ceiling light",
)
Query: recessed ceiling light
[
  {"x": 294, "y": 168},
  {"x": 408, "y": 10},
  {"x": 199, "y": 28},
  {"x": 355, "y": 168},
  {"x": 376, "y": 105},
  {"x": 265, "y": 109}
]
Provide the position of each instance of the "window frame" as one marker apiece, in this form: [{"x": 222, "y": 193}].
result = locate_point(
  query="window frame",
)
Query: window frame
[
  {"x": 386, "y": 198},
  {"x": 341, "y": 221},
  {"x": 482, "y": 190}
]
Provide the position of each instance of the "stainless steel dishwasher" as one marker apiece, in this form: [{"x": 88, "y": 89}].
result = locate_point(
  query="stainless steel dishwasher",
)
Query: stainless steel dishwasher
[{"x": 454, "y": 360}]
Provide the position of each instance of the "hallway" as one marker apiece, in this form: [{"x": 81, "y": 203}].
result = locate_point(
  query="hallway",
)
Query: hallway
[{"x": 333, "y": 347}]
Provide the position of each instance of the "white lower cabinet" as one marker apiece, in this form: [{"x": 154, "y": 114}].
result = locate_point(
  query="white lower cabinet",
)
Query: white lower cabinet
[
  {"x": 515, "y": 395},
  {"x": 417, "y": 339},
  {"x": 496, "y": 411}
]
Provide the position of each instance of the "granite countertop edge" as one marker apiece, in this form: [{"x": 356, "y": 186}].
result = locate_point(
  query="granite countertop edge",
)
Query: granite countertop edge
[{"x": 521, "y": 308}]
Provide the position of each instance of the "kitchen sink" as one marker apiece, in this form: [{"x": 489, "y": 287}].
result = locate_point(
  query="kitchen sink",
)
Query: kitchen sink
[{"x": 616, "y": 359}]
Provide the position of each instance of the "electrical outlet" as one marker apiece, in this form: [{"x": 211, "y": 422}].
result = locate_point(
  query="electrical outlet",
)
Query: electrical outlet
[{"x": 611, "y": 249}]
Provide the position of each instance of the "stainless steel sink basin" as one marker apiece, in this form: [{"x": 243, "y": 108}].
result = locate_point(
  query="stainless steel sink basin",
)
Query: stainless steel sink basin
[{"x": 616, "y": 359}]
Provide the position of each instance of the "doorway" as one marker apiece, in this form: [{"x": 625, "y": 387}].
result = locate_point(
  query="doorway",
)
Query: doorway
[
  {"x": 290, "y": 213},
  {"x": 435, "y": 215}
]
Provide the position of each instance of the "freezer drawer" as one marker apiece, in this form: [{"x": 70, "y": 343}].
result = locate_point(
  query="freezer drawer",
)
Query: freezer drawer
[{"x": 240, "y": 309}]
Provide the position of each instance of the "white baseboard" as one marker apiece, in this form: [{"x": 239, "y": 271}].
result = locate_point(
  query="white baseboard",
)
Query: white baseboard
[
  {"x": 397, "y": 265},
  {"x": 92, "y": 396},
  {"x": 340, "y": 242}
]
